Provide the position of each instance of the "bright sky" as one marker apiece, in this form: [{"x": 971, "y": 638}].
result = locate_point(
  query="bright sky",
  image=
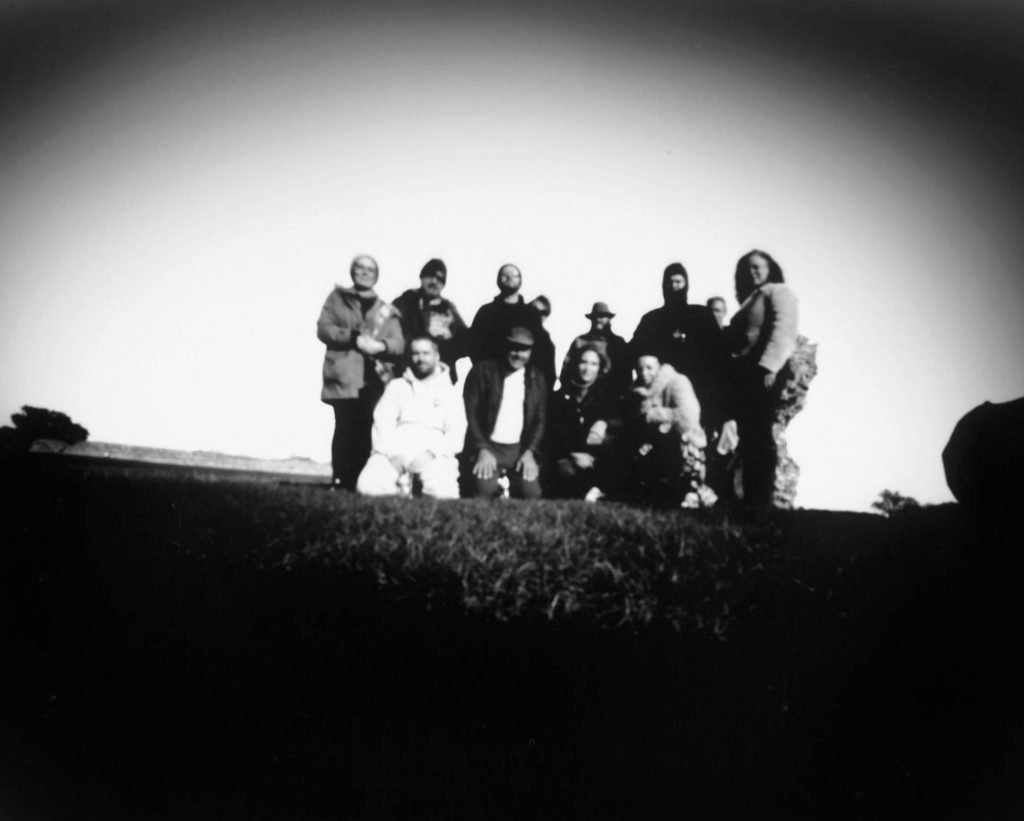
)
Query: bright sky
[{"x": 173, "y": 215}]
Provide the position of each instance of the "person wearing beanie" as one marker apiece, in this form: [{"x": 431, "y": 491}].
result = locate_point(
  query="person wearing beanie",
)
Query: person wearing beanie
[
  {"x": 688, "y": 338},
  {"x": 610, "y": 344},
  {"x": 508, "y": 310},
  {"x": 364, "y": 339},
  {"x": 424, "y": 312}
]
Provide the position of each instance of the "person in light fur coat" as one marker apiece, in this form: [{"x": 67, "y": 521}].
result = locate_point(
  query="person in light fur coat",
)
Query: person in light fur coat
[{"x": 666, "y": 439}]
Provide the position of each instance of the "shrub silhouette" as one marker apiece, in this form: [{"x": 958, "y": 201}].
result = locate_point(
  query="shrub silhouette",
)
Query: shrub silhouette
[
  {"x": 891, "y": 502},
  {"x": 40, "y": 423}
]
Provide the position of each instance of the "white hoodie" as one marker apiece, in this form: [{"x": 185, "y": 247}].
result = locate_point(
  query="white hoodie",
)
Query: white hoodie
[{"x": 417, "y": 415}]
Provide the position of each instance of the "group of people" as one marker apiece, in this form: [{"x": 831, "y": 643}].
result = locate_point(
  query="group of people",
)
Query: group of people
[{"x": 663, "y": 417}]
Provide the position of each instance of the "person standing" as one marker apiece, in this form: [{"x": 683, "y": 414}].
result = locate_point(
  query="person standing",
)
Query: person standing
[
  {"x": 508, "y": 310},
  {"x": 609, "y": 344},
  {"x": 762, "y": 336},
  {"x": 419, "y": 426},
  {"x": 364, "y": 339},
  {"x": 506, "y": 403},
  {"x": 719, "y": 309},
  {"x": 424, "y": 311},
  {"x": 688, "y": 338}
]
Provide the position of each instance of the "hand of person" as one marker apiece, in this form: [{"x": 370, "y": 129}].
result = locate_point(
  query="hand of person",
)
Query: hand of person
[
  {"x": 596, "y": 434},
  {"x": 769, "y": 380},
  {"x": 486, "y": 465},
  {"x": 527, "y": 465},
  {"x": 421, "y": 461},
  {"x": 370, "y": 346},
  {"x": 584, "y": 461}
]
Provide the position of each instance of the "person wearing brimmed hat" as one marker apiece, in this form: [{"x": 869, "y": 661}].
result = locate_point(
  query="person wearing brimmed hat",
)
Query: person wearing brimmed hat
[
  {"x": 425, "y": 311},
  {"x": 364, "y": 339},
  {"x": 506, "y": 401},
  {"x": 506, "y": 311},
  {"x": 610, "y": 344}
]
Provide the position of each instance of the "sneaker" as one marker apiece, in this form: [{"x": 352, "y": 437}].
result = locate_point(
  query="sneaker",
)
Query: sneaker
[{"x": 593, "y": 495}]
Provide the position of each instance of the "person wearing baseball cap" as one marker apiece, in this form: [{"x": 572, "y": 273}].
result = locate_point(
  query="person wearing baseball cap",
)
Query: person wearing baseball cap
[
  {"x": 611, "y": 345},
  {"x": 506, "y": 401},
  {"x": 426, "y": 313}
]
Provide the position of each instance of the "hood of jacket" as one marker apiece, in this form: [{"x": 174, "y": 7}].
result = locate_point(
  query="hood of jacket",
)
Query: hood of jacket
[
  {"x": 674, "y": 299},
  {"x": 440, "y": 374}
]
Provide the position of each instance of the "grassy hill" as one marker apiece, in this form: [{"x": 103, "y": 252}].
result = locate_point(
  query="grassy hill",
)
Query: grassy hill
[{"x": 193, "y": 644}]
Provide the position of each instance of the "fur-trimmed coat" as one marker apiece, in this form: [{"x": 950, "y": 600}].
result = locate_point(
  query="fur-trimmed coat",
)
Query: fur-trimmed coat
[{"x": 669, "y": 404}]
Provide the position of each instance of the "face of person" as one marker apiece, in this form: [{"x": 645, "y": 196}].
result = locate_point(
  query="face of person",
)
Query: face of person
[
  {"x": 718, "y": 309},
  {"x": 432, "y": 285},
  {"x": 600, "y": 322},
  {"x": 759, "y": 270},
  {"x": 518, "y": 356},
  {"x": 646, "y": 368},
  {"x": 509, "y": 280},
  {"x": 589, "y": 367},
  {"x": 364, "y": 273},
  {"x": 677, "y": 282},
  {"x": 423, "y": 357}
]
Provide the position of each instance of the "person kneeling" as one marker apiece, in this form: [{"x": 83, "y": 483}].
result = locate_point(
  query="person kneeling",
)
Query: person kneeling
[
  {"x": 506, "y": 407},
  {"x": 665, "y": 438},
  {"x": 418, "y": 427}
]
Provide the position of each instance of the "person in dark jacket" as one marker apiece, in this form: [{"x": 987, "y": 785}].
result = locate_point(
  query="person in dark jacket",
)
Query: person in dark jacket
[
  {"x": 508, "y": 310},
  {"x": 426, "y": 313},
  {"x": 688, "y": 338},
  {"x": 610, "y": 344},
  {"x": 364, "y": 339},
  {"x": 506, "y": 413},
  {"x": 583, "y": 415}
]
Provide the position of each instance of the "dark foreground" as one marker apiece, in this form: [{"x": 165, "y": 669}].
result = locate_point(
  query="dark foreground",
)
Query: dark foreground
[{"x": 172, "y": 651}]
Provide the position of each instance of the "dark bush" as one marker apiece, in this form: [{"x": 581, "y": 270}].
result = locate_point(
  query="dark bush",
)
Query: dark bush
[{"x": 40, "y": 423}]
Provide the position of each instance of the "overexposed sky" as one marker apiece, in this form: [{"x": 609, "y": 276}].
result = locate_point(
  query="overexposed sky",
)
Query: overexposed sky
[{"x": 176, "y": 204}]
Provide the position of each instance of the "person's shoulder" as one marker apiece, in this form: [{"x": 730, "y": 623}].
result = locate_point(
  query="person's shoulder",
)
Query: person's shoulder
[{"x": 409, "y": 296}]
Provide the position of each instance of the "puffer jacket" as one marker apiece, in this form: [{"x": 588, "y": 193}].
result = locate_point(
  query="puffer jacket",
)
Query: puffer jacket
[
  {"x": 415, "y": 415},
  {"x": 346, "y": 369}
]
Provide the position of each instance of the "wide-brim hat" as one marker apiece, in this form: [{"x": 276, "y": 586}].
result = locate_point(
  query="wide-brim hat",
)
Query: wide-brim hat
[
  {"x": 599, "y": 309},
  {"x": 520, "y": 336}
]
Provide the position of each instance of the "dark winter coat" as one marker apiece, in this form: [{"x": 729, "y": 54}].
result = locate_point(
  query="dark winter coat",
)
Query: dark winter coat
[
  {"x": 482, "y": 396},
  {"x": 440, "y": 321},
  {"x": 491, "y": 326}
]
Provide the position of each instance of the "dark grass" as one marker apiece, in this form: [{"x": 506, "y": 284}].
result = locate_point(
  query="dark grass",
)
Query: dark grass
[{"x": 208, "y": 645}]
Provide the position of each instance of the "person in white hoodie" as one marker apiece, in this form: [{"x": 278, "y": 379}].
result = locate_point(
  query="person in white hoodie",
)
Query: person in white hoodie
[{"x": 418, "y": 427}]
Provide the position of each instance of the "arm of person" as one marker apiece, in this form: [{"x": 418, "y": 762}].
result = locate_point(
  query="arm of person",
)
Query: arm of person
[
  {"x": 334, "y": 330},
  {"x": 475, "y": 407},
  {"x": 385, "y": 420},
  {"x": 781, "y": 317},
  {"x": 392, "y": 338}
]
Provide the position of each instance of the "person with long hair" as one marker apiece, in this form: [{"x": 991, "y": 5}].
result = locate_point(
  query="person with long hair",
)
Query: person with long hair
[
  {"x": 581, "y": 414},
  {"x": 762, "y": 336}
]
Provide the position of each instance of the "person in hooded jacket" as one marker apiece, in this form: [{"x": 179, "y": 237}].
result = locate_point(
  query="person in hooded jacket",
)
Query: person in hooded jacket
[
  {"x": 424, "y": 311},
  {"x": 688, "y": 338},
  {"x": 364, "y": 339},
  {"x": 418, "y": 428},
  {"x": 583, "y": 415}
]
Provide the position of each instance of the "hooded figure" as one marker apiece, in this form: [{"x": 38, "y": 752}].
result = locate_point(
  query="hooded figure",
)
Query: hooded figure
[{"x": 688, "y": 338}]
